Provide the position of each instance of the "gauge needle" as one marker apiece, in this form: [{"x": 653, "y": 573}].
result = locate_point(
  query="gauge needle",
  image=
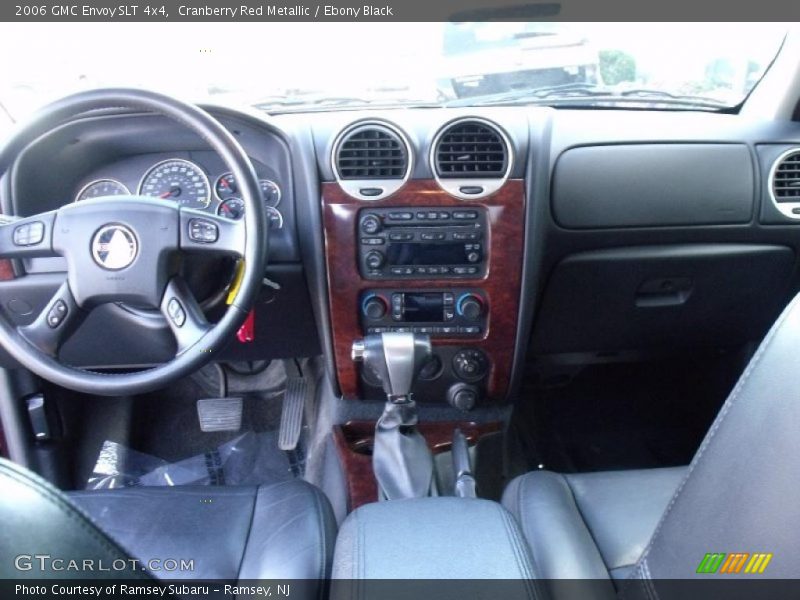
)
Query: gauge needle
[{"x": 173, "y": 192}]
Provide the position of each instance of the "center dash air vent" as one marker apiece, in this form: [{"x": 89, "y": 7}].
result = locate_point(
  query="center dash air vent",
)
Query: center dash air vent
[
  {"x": 471, "y": 149},
  {"x": 371, "y": 151},
  {"x": 786, "y": 178}
]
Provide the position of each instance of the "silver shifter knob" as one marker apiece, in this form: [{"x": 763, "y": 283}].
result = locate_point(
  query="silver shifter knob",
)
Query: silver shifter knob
[{"x": 395, "y": 359}]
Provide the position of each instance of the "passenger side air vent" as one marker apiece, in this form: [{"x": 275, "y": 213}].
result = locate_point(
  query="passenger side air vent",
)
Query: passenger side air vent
[
  {"x": 371, "y": 160},
  {"x": 786, "y": 178},
  {"x": 784, "y": 183},
  {"x": 471, "y": 149}
]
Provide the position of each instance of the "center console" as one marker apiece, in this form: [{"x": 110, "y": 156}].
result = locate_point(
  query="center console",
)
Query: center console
[
  {"x": 424, "y": 261},
  {"x": 433, "y": 542}
]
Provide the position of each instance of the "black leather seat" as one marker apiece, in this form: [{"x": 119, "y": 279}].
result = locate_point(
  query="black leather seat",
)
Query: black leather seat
[
  {"x": 739, "y": 495},
  {"x": 283, "y": 530},
  {"x": 590, "y": 525}
]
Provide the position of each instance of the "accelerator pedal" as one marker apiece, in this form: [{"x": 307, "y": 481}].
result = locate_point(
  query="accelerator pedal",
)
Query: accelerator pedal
[
  {"x": 220, "y": 414},
  {"x": 294, "y": 404}
]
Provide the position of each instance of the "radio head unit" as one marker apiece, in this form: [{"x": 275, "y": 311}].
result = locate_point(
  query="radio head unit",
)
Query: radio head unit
[{"x": 446, "y": 243}]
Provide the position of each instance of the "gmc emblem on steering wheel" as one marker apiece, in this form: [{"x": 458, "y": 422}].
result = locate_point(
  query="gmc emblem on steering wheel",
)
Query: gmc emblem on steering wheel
[{"x": 114, "y": 247}]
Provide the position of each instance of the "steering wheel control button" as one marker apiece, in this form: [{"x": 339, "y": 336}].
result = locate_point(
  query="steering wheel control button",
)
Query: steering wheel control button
[
  {"x": 114, "y": 247},
  {"x": 29, "y": 234},
  {"x": 176, "y": 312},
  {"x": 203, "y": 231},
  {"x": 57, "y": 313}
]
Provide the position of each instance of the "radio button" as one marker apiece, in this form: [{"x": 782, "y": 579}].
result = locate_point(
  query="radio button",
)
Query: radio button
[
  {"x": 374, "y": 259},
  {"x": 465, "y": 215},
  {"x": 401, "y": 216},
  {"x": 373, "y": 241},
  {"x": 432, "y": 236},
  {"x": 401, "y": 237}
]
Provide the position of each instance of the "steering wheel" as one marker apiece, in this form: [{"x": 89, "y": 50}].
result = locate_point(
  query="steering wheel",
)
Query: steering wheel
[{"x": 123, "y": 249}]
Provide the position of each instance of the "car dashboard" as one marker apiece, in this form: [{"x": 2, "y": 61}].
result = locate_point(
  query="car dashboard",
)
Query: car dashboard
[{"x": 508, "y": 235}]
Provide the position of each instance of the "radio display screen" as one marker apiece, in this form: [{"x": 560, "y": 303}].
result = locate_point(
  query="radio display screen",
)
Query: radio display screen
[
  {"x": 425, "y": 254},
  {"x": 424, "y": 308}
]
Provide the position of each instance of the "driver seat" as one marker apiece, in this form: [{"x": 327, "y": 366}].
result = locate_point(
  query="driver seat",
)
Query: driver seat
[
  {"x": 739, "y": 496},
  {"x": 281, "y": 530}
]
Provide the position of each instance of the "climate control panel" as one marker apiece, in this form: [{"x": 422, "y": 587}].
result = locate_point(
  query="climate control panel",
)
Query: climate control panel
[{"x": 459, "y": 312}]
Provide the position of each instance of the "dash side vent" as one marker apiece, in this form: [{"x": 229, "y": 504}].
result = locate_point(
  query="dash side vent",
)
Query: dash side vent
[{"x": 786, "y": 178}]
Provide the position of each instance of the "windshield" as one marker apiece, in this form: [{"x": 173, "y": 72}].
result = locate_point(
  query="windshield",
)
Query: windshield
[{"x": 280, "y": 67}]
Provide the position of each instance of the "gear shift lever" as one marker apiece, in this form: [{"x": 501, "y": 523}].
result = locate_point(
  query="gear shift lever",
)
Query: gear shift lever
[{"x": 401, "y": 459}]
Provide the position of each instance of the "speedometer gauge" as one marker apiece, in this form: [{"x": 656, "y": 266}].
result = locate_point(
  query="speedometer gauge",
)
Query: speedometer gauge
[
  {"x": 101, "y": 187},
  {"x": 179, "y": 180}
]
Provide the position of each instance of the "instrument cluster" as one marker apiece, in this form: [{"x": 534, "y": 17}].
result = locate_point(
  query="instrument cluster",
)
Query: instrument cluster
[{"x": 187, "y": 183}]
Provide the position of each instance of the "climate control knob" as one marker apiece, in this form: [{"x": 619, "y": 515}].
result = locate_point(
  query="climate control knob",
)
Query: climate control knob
[
  {"x": 470, "y": 306},
  {"x": 374, "y": 307},
  {"x": 374, "y": 259}
]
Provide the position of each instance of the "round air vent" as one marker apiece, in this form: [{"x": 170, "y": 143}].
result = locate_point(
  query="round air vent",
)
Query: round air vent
[
  {"x": 371, "y": 160},
  {"x": 784, "y": 183},
  {"x": 471, "y": 158}
]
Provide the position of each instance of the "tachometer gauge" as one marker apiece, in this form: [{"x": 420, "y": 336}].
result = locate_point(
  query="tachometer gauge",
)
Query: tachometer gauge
[
  {"x": 232, "y": 208},
  {"x": 226, "y": 186},
  {"x": 179, "y": 180},
  {"x": 101, "y": 187}
]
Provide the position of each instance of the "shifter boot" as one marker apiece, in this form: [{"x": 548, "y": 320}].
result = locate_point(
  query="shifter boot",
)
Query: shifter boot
[{"x": 401, "y": 459}]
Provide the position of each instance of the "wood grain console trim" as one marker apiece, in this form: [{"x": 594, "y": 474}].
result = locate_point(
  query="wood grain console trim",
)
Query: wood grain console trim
[
  {"x": 505, "y": 241},
  {"x": 6, "y": 270}
]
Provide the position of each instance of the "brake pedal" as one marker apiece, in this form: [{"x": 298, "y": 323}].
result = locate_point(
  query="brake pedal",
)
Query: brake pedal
[
  {"x": 220, "y": 414},
  {"x": 294, "y": 402}
]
